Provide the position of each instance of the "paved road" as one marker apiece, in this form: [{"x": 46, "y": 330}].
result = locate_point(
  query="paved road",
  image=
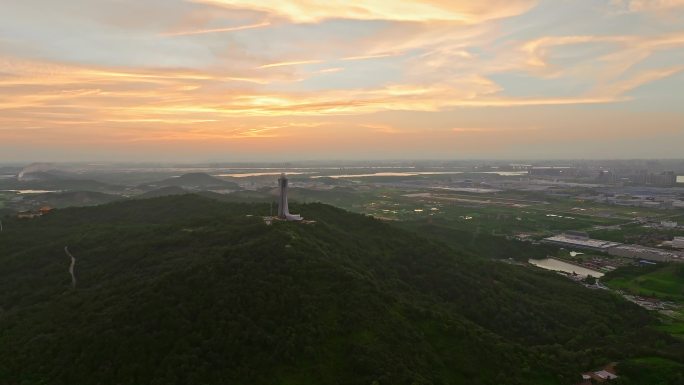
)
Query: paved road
[{"x": 71, "y": 267}]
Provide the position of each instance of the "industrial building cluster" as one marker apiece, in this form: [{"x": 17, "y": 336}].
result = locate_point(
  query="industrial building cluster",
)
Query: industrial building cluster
[
  {"x": 645, "y": 199},
  {"x": 610, "y": 176},
  {"x": 640, "y": 177},
  {"x": 581, "y": 240}
]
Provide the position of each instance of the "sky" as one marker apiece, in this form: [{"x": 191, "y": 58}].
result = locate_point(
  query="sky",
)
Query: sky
[{"x": 250, "y": 80}]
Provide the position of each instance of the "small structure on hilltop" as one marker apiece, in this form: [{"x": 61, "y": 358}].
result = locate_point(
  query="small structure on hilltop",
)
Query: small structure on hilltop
[
  {"x": 283, "y": 210},
  {"x": 604, "y": 375}
]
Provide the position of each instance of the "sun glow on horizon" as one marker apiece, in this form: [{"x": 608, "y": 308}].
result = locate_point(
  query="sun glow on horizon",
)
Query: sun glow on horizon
[{"x": 418, "y": 77}]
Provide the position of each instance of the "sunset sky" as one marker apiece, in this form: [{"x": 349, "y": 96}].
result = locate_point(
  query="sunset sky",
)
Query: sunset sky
[{"x": 210, "y": 80}]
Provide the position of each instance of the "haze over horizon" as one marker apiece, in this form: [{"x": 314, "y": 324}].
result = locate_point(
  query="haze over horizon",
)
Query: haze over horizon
[{"x": 241, "y": 80}]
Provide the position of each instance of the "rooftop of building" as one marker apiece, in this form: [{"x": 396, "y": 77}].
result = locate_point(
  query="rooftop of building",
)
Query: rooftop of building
[
  {"x": 650, "y": 250},
  {"x": 593, "y": 243}
]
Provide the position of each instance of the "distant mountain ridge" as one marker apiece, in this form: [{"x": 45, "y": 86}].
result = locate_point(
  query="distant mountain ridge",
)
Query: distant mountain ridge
[
  {"x": 195, "y": 180},
  {"x": 162, "y": 192},
  {"x": 74, "y": 198},
  {"x": 55, "y": 180}
]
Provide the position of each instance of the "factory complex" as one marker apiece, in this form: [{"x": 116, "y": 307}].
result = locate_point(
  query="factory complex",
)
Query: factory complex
[{"x": 582, "y": 241}]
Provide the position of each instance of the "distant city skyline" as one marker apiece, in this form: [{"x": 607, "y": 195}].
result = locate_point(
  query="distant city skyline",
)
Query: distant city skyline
[{"x": 248, "y": 80}]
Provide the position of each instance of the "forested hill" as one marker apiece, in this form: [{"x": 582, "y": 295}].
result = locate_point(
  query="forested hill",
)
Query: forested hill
[{"x": 189, "y": 290}]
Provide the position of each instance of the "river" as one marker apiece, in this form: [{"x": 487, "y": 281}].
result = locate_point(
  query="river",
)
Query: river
[
  {"x": 30, "y": 191},
  {"x": 417, "y": 173}
]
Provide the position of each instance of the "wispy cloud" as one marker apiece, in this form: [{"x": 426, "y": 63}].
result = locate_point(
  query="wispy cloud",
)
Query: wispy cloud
[
  {"x": 307, "y": 11},
  {"x": 372, "y": 56},
  {"x": 217, "y": 30},
  {"x": 290, "y": 63},
  {"x": 330, "y": 70},
  {"x": 649, "y": 5}
]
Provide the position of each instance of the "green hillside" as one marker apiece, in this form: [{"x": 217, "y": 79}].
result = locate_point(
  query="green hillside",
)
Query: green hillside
[{"x": 190, "y": 290}]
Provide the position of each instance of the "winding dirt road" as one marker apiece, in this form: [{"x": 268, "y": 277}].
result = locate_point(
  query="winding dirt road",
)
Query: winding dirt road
[{"x": 71, "y": 267}]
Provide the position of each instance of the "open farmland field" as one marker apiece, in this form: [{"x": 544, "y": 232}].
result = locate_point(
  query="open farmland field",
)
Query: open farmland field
[
  {"x": 665, "y": 282},
  {"x": 637, "y": 233},
  {"x": 499, "y": 213}
]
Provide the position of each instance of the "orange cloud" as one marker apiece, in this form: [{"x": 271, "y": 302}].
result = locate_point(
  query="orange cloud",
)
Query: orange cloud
[
  {"x": 57, "y": 95},
  {"x": 311, "y": 11}
]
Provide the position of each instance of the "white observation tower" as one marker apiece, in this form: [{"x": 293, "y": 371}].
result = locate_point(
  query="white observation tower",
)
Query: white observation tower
[{"x": 283, "y": 211}]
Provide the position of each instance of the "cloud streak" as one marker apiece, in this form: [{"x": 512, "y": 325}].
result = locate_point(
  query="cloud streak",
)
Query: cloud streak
[
  {"x": 311, "y": 11},
  {"x": 650, "y": 5},
  {"x": 290, "y": 63},
  {"x": 217, "y": 30}
]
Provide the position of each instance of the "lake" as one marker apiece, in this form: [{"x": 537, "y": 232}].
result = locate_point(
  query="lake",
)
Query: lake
[
  {"x": 31, "y": 191},
  {"x": 251, "y": 174},
  {"x": 558, "y": 265},
  {"x": 417, "y": 173}
]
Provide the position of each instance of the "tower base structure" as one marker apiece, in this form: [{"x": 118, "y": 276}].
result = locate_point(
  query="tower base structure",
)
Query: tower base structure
[{"x": 283, "y": 210}]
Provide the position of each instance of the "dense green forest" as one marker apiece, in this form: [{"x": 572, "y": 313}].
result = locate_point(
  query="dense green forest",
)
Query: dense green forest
[
  {"x": 478, "y": 242},
  {"x": 190, "y": 290}
]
